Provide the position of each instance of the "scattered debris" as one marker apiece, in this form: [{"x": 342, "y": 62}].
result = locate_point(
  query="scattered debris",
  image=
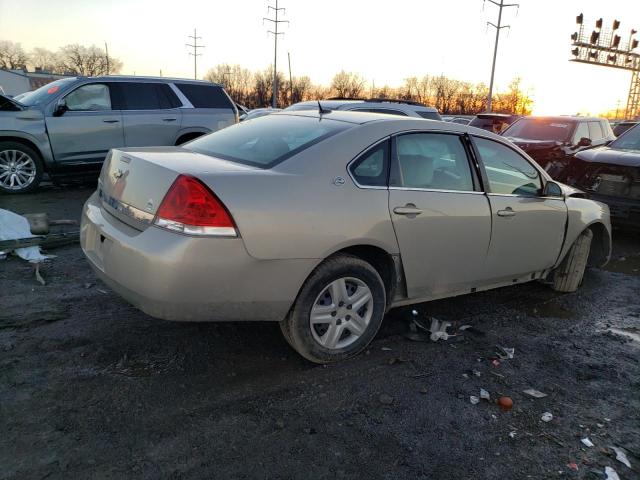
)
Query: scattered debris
[
  {"x": 512, "y": 434},
  {"x": 385, "y": 349},
  {"x": 424, "y": 390},
  {"x": 474, "y": 400},
  {"x": 505, "y": 403},
  {"x": 586, "y": 442},
  {"x": 611, "y": 474},
  {"x": 621, "y": 456},
  {"x": 485, "y": 395},
  {"x": 104, "y": 292},
  {"x": 532, "y": 392},
  {"x": 573, "y": 466},
  {"x": 471, "y": 329},
  {"x": 385, "y": 399},
  {"x": 88, "y": 285},
  {"x": 505, "y": 353},
  {"x": 39, "y": 277},
  {"x": 15, "y": 235},
  {"x": 546, "y": 417},
  {"x": 438, "y": 330},
  {"x": 495, "y": 363}
]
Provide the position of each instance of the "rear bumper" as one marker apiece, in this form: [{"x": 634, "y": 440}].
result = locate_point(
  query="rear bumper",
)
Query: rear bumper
[
  {"x": 625, "y": 212},
  {"x": 177, "y": 277}
]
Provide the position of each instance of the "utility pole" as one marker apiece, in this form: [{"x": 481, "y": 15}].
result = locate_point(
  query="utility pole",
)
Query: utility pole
[
  {"x": 498, "y": 27},
  {"x": 276, "y": 24},
  {"x": 195, "y": 53},
  {"x": 106, "y": 51},
  {"x": 290, "y": 78}
]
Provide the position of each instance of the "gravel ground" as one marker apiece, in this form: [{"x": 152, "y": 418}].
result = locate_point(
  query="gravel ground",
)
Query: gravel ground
[{"x": 92, "y": 388}]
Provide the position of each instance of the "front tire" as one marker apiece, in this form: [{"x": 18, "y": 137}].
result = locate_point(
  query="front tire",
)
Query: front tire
[
  {"x": 338, "y": 311},
  {"x": 21, "y": 168},
  {"x": 568, "y": 276}
]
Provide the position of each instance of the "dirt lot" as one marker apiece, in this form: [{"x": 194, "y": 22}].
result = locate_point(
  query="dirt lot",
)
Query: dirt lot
[{"x": 92, "y": 388}]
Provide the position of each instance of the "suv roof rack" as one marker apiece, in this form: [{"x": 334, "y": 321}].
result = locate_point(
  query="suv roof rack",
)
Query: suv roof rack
[{"x": 395, "y": 100}]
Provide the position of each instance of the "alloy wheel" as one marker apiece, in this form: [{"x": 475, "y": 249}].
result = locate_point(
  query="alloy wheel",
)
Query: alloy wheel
[{"x": 17, "y": 170}]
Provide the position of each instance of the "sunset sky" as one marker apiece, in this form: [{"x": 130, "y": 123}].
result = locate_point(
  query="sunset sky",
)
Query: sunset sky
[{"x": 383, "y": 41}]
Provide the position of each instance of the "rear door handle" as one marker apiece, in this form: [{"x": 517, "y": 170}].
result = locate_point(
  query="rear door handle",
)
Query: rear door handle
[
  {"x": 111, "y": 121},
  {"x": 169, "y": 119},
  {"x": 507, "y": 212},
  {"x": 407, "y": 210}
]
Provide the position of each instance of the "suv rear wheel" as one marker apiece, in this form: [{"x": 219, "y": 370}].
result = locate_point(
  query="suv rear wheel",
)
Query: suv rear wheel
[
  {"x": 338, "y": 311},
  {"x": 20, "y": 168}
]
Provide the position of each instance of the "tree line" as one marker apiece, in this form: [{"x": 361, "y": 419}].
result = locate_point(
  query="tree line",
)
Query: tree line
[
  {"x": 254, "y": 88},
  {"x": 449, "y": 96},
  {"x": 71, "y": 59}
]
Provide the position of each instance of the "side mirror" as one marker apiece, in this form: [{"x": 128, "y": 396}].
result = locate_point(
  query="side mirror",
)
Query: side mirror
[
  {"x": 552, "y": 189},
  {"x": 61, "y": 108},
  {"x": 584, "y": 142}
]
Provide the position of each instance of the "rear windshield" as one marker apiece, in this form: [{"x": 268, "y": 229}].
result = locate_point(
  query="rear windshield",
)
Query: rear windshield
[
  {"x": 205, "y": 96},
  {"x": 540, "y": 129},
  {"x": 267, "y": 141},
  {"x": 429, "y": 115},
  {"x": 302, "y": 106},
  {"x": 629, "y": 141},
  {"x": 46, "y": 92}
]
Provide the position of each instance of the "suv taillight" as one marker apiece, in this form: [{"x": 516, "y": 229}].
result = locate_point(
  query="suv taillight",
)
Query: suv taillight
[{"x": 190, "y": 207}]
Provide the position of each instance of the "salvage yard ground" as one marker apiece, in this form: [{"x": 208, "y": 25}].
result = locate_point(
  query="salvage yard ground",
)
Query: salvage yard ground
[{"x": 92, "y": 388}]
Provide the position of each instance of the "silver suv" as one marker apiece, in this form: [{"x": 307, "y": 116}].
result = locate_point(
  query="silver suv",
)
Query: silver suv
[
  {"x": 403, "y": 108},
  {"x": 68, "y": 126}
]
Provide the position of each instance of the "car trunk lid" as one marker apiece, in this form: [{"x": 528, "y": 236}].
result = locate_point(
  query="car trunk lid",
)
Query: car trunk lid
[{"x": 133, "y": 182}]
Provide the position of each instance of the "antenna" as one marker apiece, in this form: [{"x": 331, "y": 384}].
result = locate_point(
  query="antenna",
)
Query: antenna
[{"x": 322, "y": 110}]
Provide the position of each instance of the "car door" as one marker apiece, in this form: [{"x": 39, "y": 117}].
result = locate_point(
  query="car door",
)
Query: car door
[
  {"x": 87, "y": 126},
  {"x": 441, "y": 218},
  {"x": 527, "y": 228},
  {"x": 149, "y": 115}
]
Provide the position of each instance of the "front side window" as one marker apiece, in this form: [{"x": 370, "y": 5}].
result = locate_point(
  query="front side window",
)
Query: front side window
[
  {"x": 266, "y": 141},
  {"x": 507, "y": 171},
  {"x": 432, "y": 161},
  {"x": 92, "y": 97},
  {"x": 582, "y": 131},
  {"x": 371, "y": 168}
]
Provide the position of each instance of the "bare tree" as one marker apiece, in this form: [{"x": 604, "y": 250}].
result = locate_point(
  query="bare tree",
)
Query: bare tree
[
  {"x": 12, "y": 55},
  {"x": 90, "y": 61},
  {"x": 43, "y": 59},
  {"x": 347, "y": 84},
  {"x": 236, "y": 80}
]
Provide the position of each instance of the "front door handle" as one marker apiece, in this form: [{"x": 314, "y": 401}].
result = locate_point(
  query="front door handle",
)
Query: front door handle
[
  {"x": 507, "y": 212},
  {"x": 169, "y": 119},
  {"x": 408, "y": 209},
  {"x": 111, "y": 121}
]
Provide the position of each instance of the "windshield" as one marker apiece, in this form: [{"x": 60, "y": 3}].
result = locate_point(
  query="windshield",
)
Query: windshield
[
  {"x": 540, "y": 129},
  {"x": 44, "y": 93},
  {"x": 266, "y": 141},
  {"x": 630, "y": 140}
]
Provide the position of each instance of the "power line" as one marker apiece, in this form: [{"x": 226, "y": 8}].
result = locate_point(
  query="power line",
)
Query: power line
[
  {"x": 195, "y": 53},
  {"x": 276, "y": 24},
  {"x": 498, "y": 27}
]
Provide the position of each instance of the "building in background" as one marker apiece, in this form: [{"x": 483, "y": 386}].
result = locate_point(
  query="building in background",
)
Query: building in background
[{"x": 15, "y": 82}]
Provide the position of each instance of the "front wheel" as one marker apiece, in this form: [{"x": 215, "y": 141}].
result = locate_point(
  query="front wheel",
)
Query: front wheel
[
  {"x": 338, "y": 311},
  {"x": 568, "y": 276},
  {"x": 20, "y": 168}
]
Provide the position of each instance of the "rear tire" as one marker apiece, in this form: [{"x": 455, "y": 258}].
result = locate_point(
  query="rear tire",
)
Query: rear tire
[
  {"x": 21, "y": 168},
  {"x": 338, "y": 310},
  {"x": 568, "y": 276}
]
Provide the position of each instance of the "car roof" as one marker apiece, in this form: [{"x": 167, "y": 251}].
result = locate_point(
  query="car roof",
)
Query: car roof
[
  {"x": 139, "y": 78},
  {"x": 563, "y": 118}
]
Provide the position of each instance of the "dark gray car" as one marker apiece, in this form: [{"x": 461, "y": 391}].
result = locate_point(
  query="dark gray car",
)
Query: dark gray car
[{"x": 68, "y": 126}]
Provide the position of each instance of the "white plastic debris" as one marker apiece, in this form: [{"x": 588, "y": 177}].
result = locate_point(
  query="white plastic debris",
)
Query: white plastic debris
[
  {"x": 621, "y": 456},
  {"x": 512, "y": 434},
  {"x": 14, "y": 226},
  {"x": 587, "y": 442},
  {"x": 439, "y": 330},
  {"x": 484, "y": 394},
  {"x": 546, "y": 417},
  {"x": 505, "y": 353},
  {"x": 532, "y": 392},
  {"x": 474, "y": 400},
  {"x": 611, "y": 474}
]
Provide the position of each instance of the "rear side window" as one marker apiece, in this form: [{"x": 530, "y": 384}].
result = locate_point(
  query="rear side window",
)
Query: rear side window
[
  {"x": 432, "y": 161},
  {"x": 595, "y": 131},
  {"x": 508, "y": 172},
  {"x": 371, "y": 168},
  {"x": 205, "y": 96},
  {"x": 145, "y": 96},
  {"x": 432, "y": 115},
  {"x": 266, "y": 141}
]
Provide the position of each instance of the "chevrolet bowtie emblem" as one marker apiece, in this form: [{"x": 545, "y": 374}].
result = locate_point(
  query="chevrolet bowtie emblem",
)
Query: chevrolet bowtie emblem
[{"x": 118, "y": 173}]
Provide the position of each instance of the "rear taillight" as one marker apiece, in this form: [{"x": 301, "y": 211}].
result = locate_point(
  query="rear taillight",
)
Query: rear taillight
[{"x": 190, "y": 207}]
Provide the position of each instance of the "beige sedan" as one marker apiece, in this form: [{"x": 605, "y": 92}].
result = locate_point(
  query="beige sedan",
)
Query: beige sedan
[{"x": 325, "y": 220}]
